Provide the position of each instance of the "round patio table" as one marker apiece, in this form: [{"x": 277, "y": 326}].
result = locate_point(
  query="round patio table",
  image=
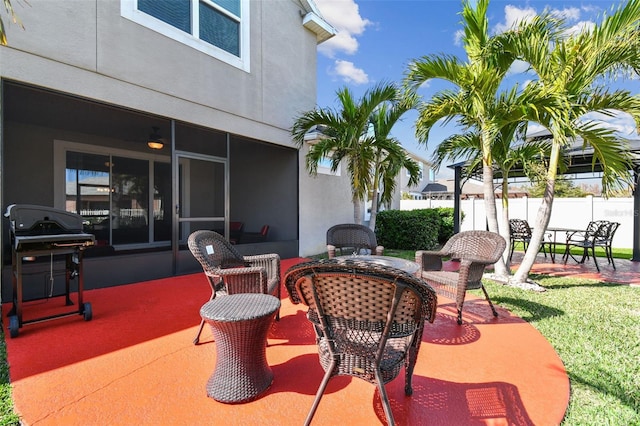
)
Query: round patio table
[
  {"x": 240, "y": 323},
  {"x": 394, "y": 262}
]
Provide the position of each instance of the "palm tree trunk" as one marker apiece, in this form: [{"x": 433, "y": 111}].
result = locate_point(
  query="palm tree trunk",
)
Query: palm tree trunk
[
  {"x": 500, "y": 268},
  {"x": 357, "y": 211},
  {"x": 542, "y": 219},
  {"x": 506, "y": 232},
  {"x": 374, "y": 198},
  {"x": 374, "y": 209}
]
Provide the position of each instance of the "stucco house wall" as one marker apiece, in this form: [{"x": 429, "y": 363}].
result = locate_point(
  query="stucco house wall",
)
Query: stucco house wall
[
  {"x": 91, "y": 51},
  {"x": 87, "y": 48}
]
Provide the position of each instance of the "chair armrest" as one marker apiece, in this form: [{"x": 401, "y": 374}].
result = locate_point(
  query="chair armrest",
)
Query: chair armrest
[
  {"x": 379, "y": 250},
  {"x": 430, "y": 260},
  {"x": 270, "y": 262},
  {"x": 476, "y": 260},
  {"x": 251, "y": 279},
  {"x": 471, "y": 271},
  {"x": 581, "y": 235},
  {"x": 331, "y": 251}
]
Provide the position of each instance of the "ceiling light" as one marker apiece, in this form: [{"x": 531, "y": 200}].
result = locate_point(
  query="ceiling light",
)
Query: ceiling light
[{"x": 155, "y": 140}]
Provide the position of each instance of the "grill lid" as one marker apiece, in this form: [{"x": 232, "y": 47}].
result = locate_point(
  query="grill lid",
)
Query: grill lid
[{"x": 28, "y": 219}]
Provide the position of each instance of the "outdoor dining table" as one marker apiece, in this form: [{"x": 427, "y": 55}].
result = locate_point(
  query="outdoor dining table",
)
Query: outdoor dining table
[
  {"x": 555, "y": 242},
  {"x": 394, "y": 262},
  {"x": 240, "y": 323}
]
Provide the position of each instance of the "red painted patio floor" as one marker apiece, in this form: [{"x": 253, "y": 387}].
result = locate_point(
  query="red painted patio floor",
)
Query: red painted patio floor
[{"x": 135, "y": 363}]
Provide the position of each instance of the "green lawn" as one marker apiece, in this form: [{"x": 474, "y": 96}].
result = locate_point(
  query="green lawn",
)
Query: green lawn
[
  {"x": 618, "y": 253},
  {"x": 594, "y": 327}
]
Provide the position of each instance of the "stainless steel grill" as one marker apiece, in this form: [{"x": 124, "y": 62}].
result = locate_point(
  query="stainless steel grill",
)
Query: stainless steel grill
[{"x": 39, "y": 231}]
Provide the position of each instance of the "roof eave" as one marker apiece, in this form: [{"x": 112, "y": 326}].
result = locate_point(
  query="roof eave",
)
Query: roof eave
[{"x": 321, "y": 28}]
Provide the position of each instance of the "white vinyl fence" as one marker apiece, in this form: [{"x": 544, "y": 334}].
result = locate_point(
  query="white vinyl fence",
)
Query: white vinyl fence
[{"x": 566, "y": 213}]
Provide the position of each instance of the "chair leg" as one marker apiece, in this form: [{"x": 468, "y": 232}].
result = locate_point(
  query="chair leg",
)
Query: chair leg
[
  {"x": 197, "y": 339},
  {"x": 409, "y": 365},
  {"x": 484, "y": 290},
  {"x": 385, "y": 399},
  {"x": 323, "y": 385},
  {"x": 213, "y": 296},
  {"x": 610, "y": 254},
  {"x": 595, "y": 260}
]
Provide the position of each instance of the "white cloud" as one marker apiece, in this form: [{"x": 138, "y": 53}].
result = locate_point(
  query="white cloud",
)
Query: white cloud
[
  {"x": 583, "y": 26},
  {"x": 518, "y": 67},
  {"x": 345, "y": 17},
  {"x": 570, "y": 14},
  {"x": 621, "y": 122},
  {"x": 349, "y": 73},
  {"x": 457, "y": 37},
  {"x": 513, "y": 16}
]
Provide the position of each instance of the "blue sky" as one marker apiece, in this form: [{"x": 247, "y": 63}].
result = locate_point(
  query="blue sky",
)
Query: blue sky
[{"x": 377, "y": 39}]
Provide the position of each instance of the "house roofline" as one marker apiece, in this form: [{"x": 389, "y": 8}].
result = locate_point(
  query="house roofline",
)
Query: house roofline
[{"x": 313, "y": 20}]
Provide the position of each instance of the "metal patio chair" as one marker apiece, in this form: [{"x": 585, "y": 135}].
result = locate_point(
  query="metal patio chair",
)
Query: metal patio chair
[
  {"x": 229, "y": 272},
  {"x": 599, "y": 233},
  {"x": 475, "y": 250},
  {"x": 352, "y": 239},
  {"x": 368, "y": 320},
  {"x": 520, "y": 231}
]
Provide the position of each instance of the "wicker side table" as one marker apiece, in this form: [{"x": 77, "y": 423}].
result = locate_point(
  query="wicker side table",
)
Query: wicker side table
[{"x": 240, "y": 323}]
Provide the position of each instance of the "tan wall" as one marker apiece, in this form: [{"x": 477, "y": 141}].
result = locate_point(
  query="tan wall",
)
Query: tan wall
[
  {"x": 325, "y": 200},
  {"x": 88, "y": 48}
]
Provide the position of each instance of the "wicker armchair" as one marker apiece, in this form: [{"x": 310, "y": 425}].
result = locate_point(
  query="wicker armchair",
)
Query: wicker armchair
[
  {"x": 599, "y": 233},
  {"x": 229, "y": 272},
  {"x": 352, "y": 238},
  {"x": 368, "y": 320},
  {"x": 475, "y": 250}
]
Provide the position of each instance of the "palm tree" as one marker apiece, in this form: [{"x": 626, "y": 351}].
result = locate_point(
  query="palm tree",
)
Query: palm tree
[
  {"x": 390, "y": 156},
  {"x": 506, "y": 156},
  {"x": 474, "y": 102},
  {"x": 574, "y": 71},
  {"x": 14, "y": 18},
  {"x": 345, "y": 138}
]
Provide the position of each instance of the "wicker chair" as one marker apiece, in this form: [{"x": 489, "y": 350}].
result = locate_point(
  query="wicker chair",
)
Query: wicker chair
[
  {"x": 520, "y": 231},
  {"x": 352, "y": 238},
  {"x": 368, "y": 320},
  {"x": 599, "y": 233},
  {"x": 475, "y": 250},
  {"x": 229, "y": 272}
]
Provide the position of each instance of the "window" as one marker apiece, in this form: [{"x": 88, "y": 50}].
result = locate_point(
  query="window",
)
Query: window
[
  {"x": 123, "y": 201},
  {"x": 219, "y": 28}
]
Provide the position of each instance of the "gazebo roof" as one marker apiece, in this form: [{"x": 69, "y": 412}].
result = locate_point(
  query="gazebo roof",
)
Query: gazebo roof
[{"x": 580, "y": 158}]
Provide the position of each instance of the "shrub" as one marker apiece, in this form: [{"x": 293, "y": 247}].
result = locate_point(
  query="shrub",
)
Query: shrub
[
  {"x": 446, "y": 223},
  {"x": 408, "y": 229}
]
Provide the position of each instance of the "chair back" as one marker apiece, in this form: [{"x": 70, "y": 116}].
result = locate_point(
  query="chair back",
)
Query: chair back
[
  {"x": 368, "y": 319},
  {"x": 484, "y": 245},
  {"x": 360, "y": 289},
  {"x": 352, "y": 236},
  {"x": 612, "y": 230},
  {"x": 594, "y": 226},
  {"x": 605, "y": 232},
  {"x": 213, "y": 251},
  {"x": 519, "y": 229}
]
